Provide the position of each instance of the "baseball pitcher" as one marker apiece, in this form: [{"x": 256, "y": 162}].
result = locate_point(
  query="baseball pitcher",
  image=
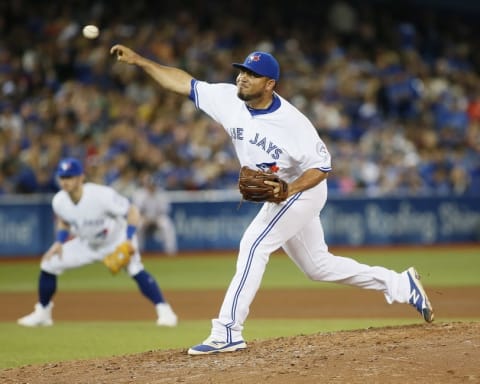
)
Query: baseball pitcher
[{"x": 272, "y": 137}]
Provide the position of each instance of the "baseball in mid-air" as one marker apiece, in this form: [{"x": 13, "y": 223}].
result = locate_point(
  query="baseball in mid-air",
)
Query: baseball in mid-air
[{"x": 90, "y": 31}]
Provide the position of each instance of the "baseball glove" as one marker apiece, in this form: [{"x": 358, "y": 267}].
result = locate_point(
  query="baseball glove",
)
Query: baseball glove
[
  {"x": 253, "y": 188},
  {"x": 119, "y": 258}
]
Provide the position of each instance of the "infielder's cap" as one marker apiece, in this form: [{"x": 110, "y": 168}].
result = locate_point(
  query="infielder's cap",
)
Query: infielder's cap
[
  {"x": 261, "y": 63},
  {"x": 69, "y": 167}
]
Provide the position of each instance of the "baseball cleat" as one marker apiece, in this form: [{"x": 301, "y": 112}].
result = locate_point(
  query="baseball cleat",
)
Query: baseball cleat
[
  {"x": 211, "y": 346},
  {"x": 418, "y": 298},
  {"x": 40, "y": 317},
  {"x": 166, "y": 316}
]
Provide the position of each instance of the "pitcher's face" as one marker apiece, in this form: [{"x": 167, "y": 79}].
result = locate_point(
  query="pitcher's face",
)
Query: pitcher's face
[{"x": 252, "y": 87}]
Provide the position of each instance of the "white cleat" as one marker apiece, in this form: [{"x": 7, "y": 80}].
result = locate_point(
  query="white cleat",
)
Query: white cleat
[
  {"x": 212, "y": 346},
  {"x": 40, "y": 317},
  {"x": 166, "y": 316}
]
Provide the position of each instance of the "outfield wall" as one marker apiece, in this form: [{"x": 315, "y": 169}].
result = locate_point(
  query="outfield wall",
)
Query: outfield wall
[{"x": 216, "y": 220}]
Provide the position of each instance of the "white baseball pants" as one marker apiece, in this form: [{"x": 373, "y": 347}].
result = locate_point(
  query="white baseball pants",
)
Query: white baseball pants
[{"x": 296, "y": 227}]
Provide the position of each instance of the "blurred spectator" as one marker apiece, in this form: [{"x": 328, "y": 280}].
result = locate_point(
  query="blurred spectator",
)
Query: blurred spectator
[{"x": 395, "y": 94}]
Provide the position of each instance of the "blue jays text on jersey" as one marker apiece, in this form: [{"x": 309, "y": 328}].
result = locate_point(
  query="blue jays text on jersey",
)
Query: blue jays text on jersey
[{"x": 261, "y": 142}]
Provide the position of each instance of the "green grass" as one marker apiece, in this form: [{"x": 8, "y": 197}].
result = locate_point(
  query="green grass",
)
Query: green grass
[
  {"x": 438, "y": 267},
  {"x": 83, "y": 340}
]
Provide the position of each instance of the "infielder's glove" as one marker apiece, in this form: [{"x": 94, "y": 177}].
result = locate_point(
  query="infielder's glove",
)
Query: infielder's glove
[
  {"x": 119, "y": 258},
  {"x": 253, "y": 188}
]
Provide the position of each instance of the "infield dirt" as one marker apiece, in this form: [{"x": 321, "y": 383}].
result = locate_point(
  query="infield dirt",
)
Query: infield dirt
[{"x": 442, "y": 352}]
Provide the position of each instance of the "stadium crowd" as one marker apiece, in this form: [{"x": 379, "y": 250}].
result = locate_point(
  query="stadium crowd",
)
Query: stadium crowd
[{"x": 394, "y": 93}]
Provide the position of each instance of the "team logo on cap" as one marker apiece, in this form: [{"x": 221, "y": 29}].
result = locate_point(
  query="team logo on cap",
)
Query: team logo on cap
[
  {"x": 254, "y": 58},
  {"x": 65, "y": 166}
]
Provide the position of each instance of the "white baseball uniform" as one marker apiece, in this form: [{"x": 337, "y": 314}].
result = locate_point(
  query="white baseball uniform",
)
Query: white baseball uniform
[
  {"x": 282, "y": 139},
  {"x": 98, "y": 222},
  {"x": 154, "y": 207}
]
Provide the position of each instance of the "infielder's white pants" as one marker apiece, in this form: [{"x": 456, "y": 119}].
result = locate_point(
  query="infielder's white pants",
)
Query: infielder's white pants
[
  {"x": 77, "y": 253},
  {"x": 295, "y": 226}
]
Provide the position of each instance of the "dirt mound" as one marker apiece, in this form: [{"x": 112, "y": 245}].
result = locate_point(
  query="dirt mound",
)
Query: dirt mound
[{"x": 434, "y": 353}]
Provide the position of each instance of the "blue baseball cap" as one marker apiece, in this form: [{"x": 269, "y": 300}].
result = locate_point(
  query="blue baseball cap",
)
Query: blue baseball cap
[
  {"x": 261, "y": 63},
  {"x": 69, "y": 167}
]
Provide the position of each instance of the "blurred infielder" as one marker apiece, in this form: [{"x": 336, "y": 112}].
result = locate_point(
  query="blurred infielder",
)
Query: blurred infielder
[
  {"x": 103, "y": 224},
  {"x": 154, "y": 206},
  {"x": 270, "y": 134}
]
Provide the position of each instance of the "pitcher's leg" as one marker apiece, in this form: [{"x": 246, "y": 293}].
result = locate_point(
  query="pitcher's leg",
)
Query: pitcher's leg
[
  {"x": 267, "y": 232},
  {"x": 309, "y": 251},
  {"x": 251, "y": 263}
]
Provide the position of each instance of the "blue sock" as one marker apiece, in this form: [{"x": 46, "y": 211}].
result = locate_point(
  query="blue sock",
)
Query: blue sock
[
  {"x": 47, "y": 286},
  {"x": 149, "y": 287}
]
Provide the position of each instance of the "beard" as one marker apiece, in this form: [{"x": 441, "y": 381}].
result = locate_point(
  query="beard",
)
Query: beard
[{"x": 249, "y": 97}]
